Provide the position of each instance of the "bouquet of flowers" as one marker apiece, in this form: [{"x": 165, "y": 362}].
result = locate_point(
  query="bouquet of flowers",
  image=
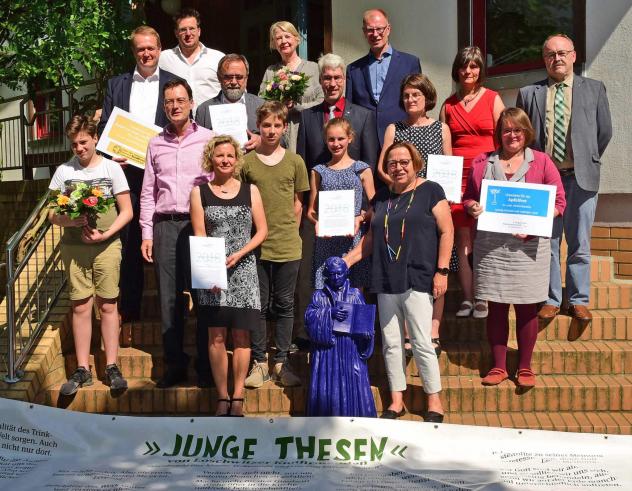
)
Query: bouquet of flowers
[
  {"x": 285, "y": 85},
  {"x": 80, "y": 199}
]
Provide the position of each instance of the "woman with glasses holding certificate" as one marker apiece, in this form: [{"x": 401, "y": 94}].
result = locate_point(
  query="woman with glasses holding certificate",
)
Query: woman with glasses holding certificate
[
  {"x": 512, "y": 268},
  {"x": 410, "y": 241},
  {"x": 227, "y": 208}
]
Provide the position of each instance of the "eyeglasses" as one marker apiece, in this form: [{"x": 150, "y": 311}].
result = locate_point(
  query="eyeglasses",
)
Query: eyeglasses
[
  {"x": 563, "y": 53},
  {"x": 513, "y": 131},
  {"x": 392, "y": 164},
  {"x": 333, "y": 78},
  {"x": 181, "y": 101},
  {"x": 227, "y": 77},
  {"x": 375, "y": 30},
  {"x": 186, "y": 30},
  {"x": 412, "y": 95}
]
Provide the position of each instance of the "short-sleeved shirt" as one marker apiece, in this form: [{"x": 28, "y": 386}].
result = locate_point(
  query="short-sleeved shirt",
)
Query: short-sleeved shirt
[
  {"x": 278, "y": 184},
  {"x": 108, "y": 176},
  {"x": 417, "y": 261}
]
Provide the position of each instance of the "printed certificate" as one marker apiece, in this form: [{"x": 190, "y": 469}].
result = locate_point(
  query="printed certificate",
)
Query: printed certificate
[
  {"x": 230, "y": 119},
  {"x": 127, "y": 136},
  {"x": 447, "y": 171},
  {"x": 517, "y": 208},
  {"x": 208, "y": 262},
  {"x": 336, "y": 213}
]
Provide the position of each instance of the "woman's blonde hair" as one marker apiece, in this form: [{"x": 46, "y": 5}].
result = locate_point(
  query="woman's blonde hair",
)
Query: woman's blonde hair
[
  {"x": 340, "y": 123},
  {"x": 284, "y": 26},
  {"x": 209, "y": 149}
]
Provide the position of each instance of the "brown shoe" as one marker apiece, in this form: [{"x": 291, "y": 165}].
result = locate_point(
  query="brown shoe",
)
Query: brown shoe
[
  {"x": 525, "y": 378},
  {"x": 580, "y": 312},
  {"x": 495, "y": 376},
  {"x": 548, "y": 312}
]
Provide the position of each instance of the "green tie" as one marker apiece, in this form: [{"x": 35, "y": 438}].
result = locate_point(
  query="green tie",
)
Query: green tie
[{"x": 559, "y": 130}]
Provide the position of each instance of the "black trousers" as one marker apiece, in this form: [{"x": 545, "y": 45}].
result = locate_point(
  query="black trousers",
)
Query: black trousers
[{"x": 173, "y": 272}]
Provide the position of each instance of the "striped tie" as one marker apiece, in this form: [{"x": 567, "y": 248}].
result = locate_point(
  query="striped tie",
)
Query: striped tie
[{"x": 559, "y": 130}]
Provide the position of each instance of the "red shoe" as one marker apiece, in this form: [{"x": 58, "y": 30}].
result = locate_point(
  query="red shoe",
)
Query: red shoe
[
  {"x": 525, "y": 378},
  {"x": 495, "y": 376}
]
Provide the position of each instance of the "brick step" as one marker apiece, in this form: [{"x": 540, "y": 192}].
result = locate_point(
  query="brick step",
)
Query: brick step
[
  {"x": 472, "y": 359},
  {"x": 611, "y": 324},
  {"x": 460, "y": 395},
  {"x": 613, "y": 423},
  {"x": 610, "y": 294}
]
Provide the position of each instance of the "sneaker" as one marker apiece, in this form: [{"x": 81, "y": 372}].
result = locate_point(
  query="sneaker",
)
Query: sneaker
[
  {"x": 80, "y": 378},
  {"x": 285, "y": 376},
  {"x": 114, "y": 378},
  {"x": 259, "y": 374}
]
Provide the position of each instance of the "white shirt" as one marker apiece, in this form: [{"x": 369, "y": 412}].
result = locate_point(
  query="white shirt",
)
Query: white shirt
[
  {"x": 143, "y": 98},
  {"x": 201, "y": 74}
]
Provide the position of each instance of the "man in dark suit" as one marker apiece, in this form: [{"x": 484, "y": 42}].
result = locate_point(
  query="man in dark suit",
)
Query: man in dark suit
[
  {"x": 311, "y": 143},
  {"x": 571, "y": 119},
  {"x": 232, "y": 71},
  {"x": 140, "y": 92},
  {"x": 312, "y": 147},
  {"x": 373, "y": 81}
]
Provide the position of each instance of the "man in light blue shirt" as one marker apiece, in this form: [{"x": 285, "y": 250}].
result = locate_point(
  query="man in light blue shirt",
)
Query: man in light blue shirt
[{"x": 383, "y": 68}]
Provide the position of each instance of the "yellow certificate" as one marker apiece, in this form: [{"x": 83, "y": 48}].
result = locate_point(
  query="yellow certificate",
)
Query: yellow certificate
[{"x": 127, "y": 136}]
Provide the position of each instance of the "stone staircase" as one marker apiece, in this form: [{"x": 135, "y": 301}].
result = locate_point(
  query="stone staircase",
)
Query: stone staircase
[{"x": 584, "y": 374}]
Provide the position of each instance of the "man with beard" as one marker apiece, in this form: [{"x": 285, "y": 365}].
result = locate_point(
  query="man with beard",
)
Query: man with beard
[{"x": 232, "y": 72}]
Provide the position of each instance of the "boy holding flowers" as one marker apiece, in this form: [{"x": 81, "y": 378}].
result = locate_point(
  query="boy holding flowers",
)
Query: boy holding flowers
[{"x": 87, "y": 187}]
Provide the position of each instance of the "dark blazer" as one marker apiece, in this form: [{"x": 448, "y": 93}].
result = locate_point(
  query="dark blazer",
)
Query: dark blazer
[
  {"x": 119, "y": 90},
  {"x": 590, "y": 126},
  {"x": 359, "y": 92},
  {"x": 253, "y": 102},
  {"x": 311, "y": 142}
]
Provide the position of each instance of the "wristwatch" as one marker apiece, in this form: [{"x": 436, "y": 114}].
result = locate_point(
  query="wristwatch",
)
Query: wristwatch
[{"x": 443, "y": 271}]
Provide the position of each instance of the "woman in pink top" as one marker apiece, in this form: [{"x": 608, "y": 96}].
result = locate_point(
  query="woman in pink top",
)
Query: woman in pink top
[
  {"x": 471, "y": 114},
  {"x": 512, "y": 268}
]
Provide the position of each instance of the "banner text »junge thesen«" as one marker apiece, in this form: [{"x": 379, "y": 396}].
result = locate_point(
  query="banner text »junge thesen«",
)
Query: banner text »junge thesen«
[{"x": 288, "y": 447}]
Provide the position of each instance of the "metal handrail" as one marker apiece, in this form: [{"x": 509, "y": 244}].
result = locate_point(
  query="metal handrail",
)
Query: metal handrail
[{"x": 34, "y": 231}]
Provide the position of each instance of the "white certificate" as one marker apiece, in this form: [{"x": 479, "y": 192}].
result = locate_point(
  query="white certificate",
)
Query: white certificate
[
  {"x": 517, "y": 208},
  {"x": 447, "y": 171},
  {"x": 127, "y": 136},
  {"x": 336, "y": 213},
  {"x": 230, "y": 119},
  {"x": 208, "y": 262}
]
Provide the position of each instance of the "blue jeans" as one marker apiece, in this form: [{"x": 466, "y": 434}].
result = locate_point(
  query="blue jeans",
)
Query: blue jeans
[{"x": 576, "y": 224}]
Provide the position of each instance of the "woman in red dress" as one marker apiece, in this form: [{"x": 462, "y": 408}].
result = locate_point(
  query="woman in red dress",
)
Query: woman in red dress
[{"x": 471, "y": 113}]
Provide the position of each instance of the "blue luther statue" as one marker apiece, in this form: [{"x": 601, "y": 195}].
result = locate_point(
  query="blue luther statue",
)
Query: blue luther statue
[{"x": 341, "y": 329}]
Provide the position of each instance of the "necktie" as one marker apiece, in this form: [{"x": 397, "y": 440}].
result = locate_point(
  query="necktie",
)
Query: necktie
[
  {"x": 559, "y": 130},
  {"x": 332, "y": 110}
]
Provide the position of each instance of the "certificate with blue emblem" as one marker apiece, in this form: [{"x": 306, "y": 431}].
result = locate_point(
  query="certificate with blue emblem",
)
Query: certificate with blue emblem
[{"x": 517, "y": 208}]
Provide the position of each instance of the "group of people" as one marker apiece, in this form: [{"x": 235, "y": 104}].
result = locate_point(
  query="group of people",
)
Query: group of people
[{"x": 362, "y": 127}]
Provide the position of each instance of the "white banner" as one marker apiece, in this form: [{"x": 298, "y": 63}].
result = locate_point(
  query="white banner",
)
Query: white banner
[{"x": 49, "y": 448}]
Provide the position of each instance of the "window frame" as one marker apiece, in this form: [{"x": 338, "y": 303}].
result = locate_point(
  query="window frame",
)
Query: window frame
[{"x": 474, "y": 11}]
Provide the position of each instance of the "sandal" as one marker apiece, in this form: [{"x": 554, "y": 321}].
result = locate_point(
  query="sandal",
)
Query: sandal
[
  {"x": 408, "y": 351},
  {"x": 465, "y": 310},
  {"x": 227, "y": 413},
  {"x": 480, "y": 309},
  {"x": 436, "y": 345},
  {"x": 235, "y": 399},
  {"x": 525, "y": 378},
  {"x": 495, "y": 376}
]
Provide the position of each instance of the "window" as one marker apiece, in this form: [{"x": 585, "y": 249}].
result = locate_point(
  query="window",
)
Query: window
[{"x": 511, "y": 33}]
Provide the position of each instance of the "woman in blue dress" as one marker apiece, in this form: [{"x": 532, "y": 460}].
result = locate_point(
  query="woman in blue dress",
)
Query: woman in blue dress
[{"x": 341, "y": 173}]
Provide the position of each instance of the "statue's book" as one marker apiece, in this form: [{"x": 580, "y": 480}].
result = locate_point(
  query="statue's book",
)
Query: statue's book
[{"x": 361, "y": 319}]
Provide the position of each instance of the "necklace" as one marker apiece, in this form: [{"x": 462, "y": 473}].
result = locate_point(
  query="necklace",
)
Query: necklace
[
  {"x": 393, "y": 255},
  {"x": 467, "y": 99},
  {"x": 221, "y": 189}
]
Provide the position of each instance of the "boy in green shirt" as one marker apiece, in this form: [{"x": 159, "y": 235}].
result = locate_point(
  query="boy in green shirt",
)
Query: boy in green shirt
[{"x": 281, "y": 177}]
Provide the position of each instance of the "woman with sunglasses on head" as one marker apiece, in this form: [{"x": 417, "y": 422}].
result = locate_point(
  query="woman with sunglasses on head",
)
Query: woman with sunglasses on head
[
  {"x": 410, "y": 241},
  {"x": 511, "y": 268}
]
